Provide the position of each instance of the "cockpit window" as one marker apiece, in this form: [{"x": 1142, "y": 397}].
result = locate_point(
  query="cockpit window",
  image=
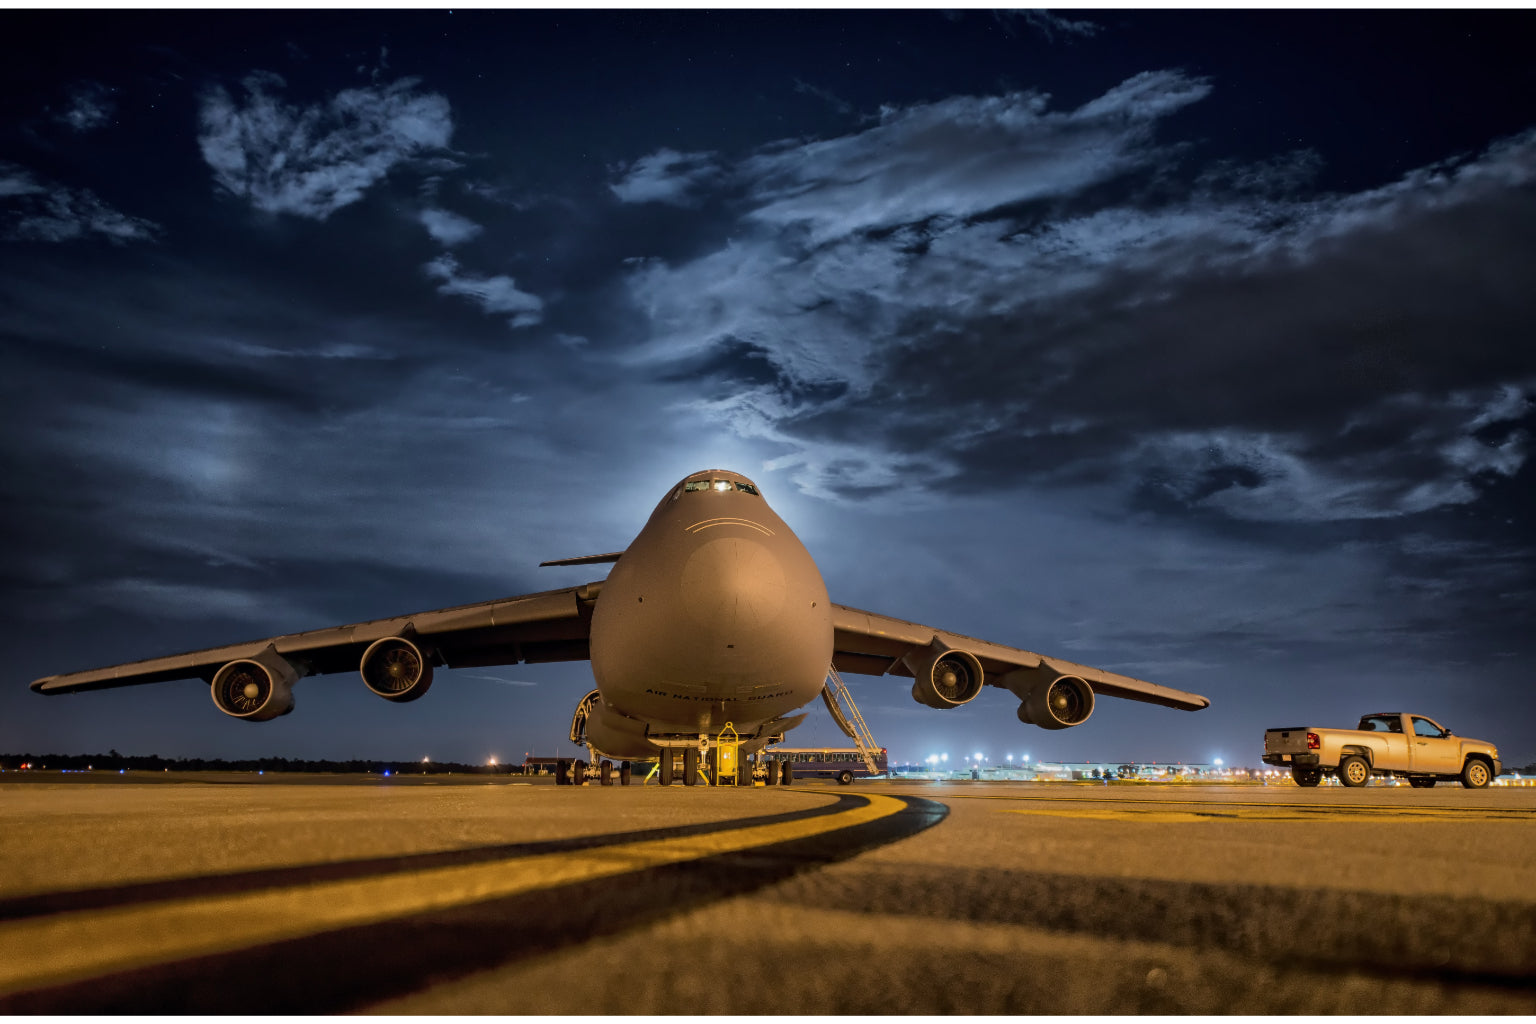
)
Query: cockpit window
[{"x": 719, "y": 486}]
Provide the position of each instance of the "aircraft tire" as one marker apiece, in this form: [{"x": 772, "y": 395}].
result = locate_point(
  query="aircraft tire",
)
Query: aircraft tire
[
  {"x": 605, "y": 773},
  {"x": 787, "y": 774},
  {"x": 712, "y": 772},
  {"x": 623, "y": 773},
  {"x": 562, "y": 772},
  {"x": 690, "y": 766},
  {"x": 578, "y": 772},
  {"x": 743, "y": 772},
  {"x": 771, "y": 772}
]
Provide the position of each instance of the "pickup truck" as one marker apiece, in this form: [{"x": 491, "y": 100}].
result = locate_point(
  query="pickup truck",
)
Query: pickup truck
[{"x": 1394, "y": 744}]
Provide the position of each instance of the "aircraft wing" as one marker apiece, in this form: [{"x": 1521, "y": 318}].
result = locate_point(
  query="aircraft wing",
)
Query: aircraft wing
[
  {"x": 550, "y": 626},
  {"x": 869, "y": 644}
]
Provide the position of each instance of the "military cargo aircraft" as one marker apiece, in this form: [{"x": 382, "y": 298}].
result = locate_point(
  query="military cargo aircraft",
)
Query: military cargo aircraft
[{"x": 715, "y": 613}]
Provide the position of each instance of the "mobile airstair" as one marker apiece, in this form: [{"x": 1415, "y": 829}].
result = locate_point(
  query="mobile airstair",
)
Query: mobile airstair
[{"x": 846, "y": 714}]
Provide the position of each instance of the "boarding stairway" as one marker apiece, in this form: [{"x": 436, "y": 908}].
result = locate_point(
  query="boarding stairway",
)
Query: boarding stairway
[{"x": 846, "y": 714}]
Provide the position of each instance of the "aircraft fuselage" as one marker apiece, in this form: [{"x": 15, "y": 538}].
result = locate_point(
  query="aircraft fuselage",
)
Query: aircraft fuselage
[{"x": 715, "y": 613}]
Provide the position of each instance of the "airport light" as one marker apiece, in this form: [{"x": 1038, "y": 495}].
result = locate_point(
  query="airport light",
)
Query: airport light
[{"x": 944, "y": 758}]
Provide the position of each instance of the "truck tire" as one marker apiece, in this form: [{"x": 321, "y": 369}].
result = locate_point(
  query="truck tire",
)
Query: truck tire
[
  {"x": 1475, "y": 773},
  {"x": 1422, "y": 783},
  {"x": 1307, "y": 776},
  {"x": 1354, "y": 771}
]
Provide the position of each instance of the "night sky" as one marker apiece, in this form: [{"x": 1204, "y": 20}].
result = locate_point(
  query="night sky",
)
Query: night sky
[{"x": 1199, "y": 347}]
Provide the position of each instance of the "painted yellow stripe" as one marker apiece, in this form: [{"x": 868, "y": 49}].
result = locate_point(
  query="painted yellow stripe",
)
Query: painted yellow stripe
[
  {"x": 82, "y": 944},
  {"x": 1234, "y": 812},
  {"x": 1387, "y": 809}
]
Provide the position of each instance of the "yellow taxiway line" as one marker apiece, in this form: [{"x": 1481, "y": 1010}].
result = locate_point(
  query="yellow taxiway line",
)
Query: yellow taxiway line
[{"x": 76, "y": 945}]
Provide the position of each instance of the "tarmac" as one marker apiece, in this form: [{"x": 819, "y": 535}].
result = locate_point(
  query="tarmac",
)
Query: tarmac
[{"x": 249, "y": 894}]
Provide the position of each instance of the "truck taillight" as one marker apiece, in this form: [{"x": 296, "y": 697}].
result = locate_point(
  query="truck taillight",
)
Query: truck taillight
[{"x": 1312, "y": 741}]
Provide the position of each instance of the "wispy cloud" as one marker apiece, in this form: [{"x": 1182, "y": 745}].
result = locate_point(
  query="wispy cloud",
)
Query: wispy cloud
[
  {"x": 91, "y": 106},
  {"x": 311, "y": 161},
  {"x": 495, "y": 294},
  {"x": 48, "y": 212},
  {"x": 448, "y": 228},
  {"x": 666, "y": 176},
  {"x": 983, "y": 292}
]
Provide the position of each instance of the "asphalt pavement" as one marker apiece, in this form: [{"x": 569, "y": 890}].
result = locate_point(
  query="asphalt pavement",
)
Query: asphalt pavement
[{"x": 246, "y": 894}]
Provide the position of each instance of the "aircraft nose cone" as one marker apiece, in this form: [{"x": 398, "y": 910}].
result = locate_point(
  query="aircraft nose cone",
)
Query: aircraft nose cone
[{"x": 732, "y": 583}]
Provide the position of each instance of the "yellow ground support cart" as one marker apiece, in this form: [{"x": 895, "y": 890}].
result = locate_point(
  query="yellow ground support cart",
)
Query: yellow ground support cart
[{"x": 727, "y": 756}]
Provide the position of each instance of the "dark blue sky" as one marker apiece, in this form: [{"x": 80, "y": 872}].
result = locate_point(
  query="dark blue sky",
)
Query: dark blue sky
[{"x": 1195, "y": 346}]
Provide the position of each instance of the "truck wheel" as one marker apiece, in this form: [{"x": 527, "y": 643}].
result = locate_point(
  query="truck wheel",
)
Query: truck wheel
[
  {"x": 1422, "y": 783},
  {"x": 1354, "y": 772},
  {"x": 1475, "y": 775},
  {"x": 1306, "y": 776},
  {"x": 845, "y": 777}
]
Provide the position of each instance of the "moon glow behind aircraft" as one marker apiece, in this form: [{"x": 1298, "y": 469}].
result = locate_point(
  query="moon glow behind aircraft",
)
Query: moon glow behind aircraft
[{"x": 715, "y": 613}]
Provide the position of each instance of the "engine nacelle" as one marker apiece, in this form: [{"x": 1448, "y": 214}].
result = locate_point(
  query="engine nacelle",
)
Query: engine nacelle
[
  {"x": 944, "y": 677},
  {"x": 1059, "y": 704},
  {"x": 396, "y": 669},
  {"x": 256, "y": 689}
]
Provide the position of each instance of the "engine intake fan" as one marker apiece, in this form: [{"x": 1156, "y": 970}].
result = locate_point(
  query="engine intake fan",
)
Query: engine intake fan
[
  {"x": 944, "y": 677},
  {"x": 396, "y": 669},
  {"x": 1059, "y": 704},
  {"x": 256, "y": 689}
]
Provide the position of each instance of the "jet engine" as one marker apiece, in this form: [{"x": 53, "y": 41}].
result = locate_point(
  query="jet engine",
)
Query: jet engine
[
  {"x": 1059, "y": 704},
  {"x": 396, "y": 669},
  {"x": 943, "y": 676},
  {"x": 256, "y": 689}
]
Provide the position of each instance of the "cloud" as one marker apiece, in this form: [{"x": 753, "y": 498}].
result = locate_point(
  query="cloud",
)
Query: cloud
[
  {"x": 90, "y": 107},
  {"x": 1048, "y": 24},
  {"x": 984, "y": 293},
  {"x": 498, "y": 294},
  {"x": 666, "y": 176},
  {"x": 311, "y": 161},
  {"x": 54, "y": 213},
  {"x": 961, "y": 157},
  {"x": 448, "y": 228}
]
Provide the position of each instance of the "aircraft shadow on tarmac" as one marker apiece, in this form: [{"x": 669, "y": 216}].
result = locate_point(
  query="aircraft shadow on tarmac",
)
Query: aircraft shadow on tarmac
[{"x": 346, "y": 968}]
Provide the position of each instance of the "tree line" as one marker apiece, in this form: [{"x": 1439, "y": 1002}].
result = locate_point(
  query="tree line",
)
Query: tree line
[{"x": 113, "y": 761}]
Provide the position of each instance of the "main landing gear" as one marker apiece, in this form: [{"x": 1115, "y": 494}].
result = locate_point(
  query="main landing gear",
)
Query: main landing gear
[{"x": 579, "y": 773}]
